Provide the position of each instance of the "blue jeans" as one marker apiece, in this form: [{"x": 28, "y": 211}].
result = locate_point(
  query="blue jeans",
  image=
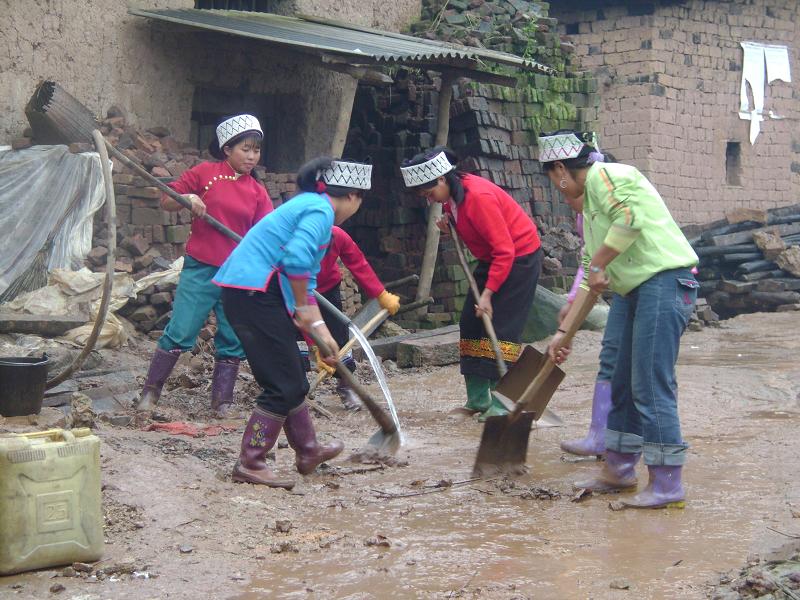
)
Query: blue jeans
[
  {"x": 644, "y": 413},
  {"x": 195, "y": 297},
  {"x": 610, "y": 346}
]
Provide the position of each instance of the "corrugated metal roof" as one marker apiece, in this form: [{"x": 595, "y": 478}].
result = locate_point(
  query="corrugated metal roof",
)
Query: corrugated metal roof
[{"x": 360, "y": 44}]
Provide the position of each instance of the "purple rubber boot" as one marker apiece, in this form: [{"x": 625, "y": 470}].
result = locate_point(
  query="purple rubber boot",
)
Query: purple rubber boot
[
  {"x": 161, "y": 366},
  {"x": 302, "y": 438},
  {"x": 664, "y": 489},
  {"x": 222, "y": 382},
  {"x": 617, "y": 474},
  {"x": 594, "y": 444},
  {"x": 260, "y": 435}
]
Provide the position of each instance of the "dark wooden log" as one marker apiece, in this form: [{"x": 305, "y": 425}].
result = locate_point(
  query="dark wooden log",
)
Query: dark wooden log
[
  {"x": 745, "y": 237},
  {"x": 711, "y": 234},
  {"x": 779, "y": 285},
  {"x": 782, "y": 211},
  {"x": 762, "y": 275},
  {"x": 756, "y": 266},
  {"x": 775, "y": 298},
  {"x": 736, "y": 288},
  {"x": 740, "y": 257},
  {"x": 770, "y": 285},
  {"x": 719, "y": 250},
  {"x": 792, "y": 218}
]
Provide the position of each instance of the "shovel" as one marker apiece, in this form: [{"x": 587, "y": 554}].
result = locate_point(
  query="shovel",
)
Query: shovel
[
  {"x": 387, "y": 440},
  {"x": 504, "y": 443},
  {"x": 515, "y": 381},
  {"x": 368, "y": 328}
]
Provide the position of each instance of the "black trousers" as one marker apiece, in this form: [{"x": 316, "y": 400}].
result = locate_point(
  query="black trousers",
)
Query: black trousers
[
  {"x": 511, "y": 305},
  {"x": 268, "y": 335},
  {"x": 339, "y": 331}
]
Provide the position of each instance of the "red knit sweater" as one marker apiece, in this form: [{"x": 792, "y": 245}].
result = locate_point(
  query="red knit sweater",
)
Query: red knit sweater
[
  {"x": 238, "y": 204},
  {"x": 494, "y": 227},
  {"x": 329, "y": 276}
]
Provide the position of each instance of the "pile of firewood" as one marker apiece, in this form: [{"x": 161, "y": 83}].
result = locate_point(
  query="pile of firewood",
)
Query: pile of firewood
[{"x": 750, "y": 261}]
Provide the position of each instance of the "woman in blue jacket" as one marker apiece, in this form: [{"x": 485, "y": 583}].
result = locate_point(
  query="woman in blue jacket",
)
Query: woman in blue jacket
[{"x": 269, "y": 282}]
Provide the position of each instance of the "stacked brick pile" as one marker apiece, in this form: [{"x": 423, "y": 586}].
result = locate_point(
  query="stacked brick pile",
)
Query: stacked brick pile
[
  {"x": 514, "y": 26},
  {"x": 494, "y": 130}
]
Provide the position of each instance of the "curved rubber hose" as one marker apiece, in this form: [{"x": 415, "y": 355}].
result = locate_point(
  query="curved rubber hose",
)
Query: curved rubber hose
[{"x": 108, "y": 283}]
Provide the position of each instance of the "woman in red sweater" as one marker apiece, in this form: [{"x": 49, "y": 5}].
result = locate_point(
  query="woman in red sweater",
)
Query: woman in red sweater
[
  {"x": 227, "y": 191},
  {"x": 329, "y": 279},
  {"x": 505, "y": 241}
]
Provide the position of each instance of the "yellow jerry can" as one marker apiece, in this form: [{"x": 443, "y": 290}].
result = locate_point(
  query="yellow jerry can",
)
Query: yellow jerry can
[{"x": 50, "y": 504}]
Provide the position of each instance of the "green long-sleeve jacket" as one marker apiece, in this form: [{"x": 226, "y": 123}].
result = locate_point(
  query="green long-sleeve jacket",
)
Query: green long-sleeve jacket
[{"x": 623, "y": 210}]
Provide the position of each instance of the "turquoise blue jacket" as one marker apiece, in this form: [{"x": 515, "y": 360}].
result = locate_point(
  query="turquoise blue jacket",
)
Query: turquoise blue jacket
[{"x": 290, "y": 241}]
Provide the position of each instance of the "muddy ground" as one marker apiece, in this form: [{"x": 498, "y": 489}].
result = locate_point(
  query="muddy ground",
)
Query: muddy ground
[{"x": 176, "y": 527}]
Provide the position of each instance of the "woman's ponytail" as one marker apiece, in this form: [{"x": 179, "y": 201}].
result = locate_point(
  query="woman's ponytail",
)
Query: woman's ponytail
[{"x": 308, "y": 174}]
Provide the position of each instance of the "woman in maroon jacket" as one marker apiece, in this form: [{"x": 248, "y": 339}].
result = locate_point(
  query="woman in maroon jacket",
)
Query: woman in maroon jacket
[{"x": 505, "y": 241}]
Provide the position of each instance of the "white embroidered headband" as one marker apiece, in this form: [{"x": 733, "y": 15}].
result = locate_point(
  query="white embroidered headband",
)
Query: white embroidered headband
[
  {"x": 563, "y": 146},
  {"x": 416, "y": 175},
  {"x": 348, "y": 175},
  {"x": 235, "y": 126}
]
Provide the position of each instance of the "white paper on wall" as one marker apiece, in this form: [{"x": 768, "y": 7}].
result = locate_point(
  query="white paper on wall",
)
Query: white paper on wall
[{"x": 762, "y": 64}]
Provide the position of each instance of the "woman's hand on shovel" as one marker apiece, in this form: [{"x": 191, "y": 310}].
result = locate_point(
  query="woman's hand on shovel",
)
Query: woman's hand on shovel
[
  {"x": 557, "y": 350},
  {"x": 484, "y": 305},
  {"x": 308, "y": 318}
]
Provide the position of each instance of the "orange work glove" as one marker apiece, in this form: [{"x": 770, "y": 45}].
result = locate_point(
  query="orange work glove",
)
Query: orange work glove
[
  {"x": 389, "y": 301},
  {"x": 322, "y": 366}
]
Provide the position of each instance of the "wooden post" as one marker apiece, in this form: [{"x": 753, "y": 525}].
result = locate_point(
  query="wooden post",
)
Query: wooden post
[
  {"x": 343, "y": 118},
  {"x": 435, "y": 209}
]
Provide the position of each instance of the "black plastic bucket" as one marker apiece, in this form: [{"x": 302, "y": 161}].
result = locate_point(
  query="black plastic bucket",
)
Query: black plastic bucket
[{"x": 22, "y": 383}]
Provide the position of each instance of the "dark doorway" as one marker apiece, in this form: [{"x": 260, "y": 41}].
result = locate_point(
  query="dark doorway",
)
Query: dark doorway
[{"x": 282, "y": 121}]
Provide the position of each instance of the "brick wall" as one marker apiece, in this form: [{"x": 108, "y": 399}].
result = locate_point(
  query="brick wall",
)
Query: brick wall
[
  {"x": 493, "y": 130},
  {"x": 670, "y": 75}
]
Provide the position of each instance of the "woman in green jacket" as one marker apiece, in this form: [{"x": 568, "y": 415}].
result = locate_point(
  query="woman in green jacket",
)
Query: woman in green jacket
[{"x": 635, "y": 248}]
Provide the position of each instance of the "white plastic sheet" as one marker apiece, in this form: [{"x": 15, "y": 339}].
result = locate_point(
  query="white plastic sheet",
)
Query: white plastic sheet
[{"x": 37, "y": 187}]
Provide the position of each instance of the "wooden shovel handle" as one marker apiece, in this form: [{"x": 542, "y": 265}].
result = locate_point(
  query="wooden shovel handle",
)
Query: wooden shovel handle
[
  {"x": 581, "y": 307},
  {"x": 380, "y": 416},
  {"x": 139, "y": 170},
  {"x": 487, "y": 320}
]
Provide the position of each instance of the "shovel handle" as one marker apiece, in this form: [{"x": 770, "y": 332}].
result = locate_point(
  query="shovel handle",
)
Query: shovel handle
[
  {"x": 487, "y": 320},
  {"x": 170, "y": 192},
  {"x": 380, "y": 416},
  {"x": 584, "y": 301}
]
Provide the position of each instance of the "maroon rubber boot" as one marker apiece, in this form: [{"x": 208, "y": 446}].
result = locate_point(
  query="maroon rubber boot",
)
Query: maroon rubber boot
[
  {"x": 161, "y": 366},
  {"x": 260, "y": 435},
  {"x": 302, "y": 438},
  {"x": 222, "y": 383}
]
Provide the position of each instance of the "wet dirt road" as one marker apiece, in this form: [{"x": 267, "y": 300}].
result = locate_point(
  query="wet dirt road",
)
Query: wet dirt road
[
  {"x": 362, "y": 531},
  {"x": 740, "y": 409}
]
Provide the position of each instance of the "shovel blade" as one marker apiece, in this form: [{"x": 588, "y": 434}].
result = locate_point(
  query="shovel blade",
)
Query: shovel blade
[
  {"x": 385, "y": 443},
  {"x": 504, "y": 445},
  {"x": 514, "y": 383}
]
